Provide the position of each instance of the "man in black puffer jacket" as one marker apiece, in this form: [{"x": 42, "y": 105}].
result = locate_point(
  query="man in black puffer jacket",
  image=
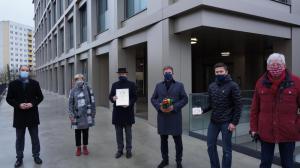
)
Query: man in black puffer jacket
[{"x": 225, "y": 103}]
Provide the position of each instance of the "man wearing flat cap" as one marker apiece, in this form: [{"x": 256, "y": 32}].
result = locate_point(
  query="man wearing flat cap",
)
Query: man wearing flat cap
[{"x": 123, "y": 114}]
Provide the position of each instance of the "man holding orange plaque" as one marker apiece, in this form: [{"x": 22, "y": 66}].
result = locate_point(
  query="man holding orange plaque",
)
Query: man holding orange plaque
[{"x": 169, "y": 98}]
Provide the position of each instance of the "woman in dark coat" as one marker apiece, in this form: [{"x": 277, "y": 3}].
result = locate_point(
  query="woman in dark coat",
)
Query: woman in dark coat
[{"x": 169, "y": 121}]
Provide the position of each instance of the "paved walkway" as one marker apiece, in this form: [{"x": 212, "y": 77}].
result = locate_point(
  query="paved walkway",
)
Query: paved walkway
[{"x": 58, "y": 143}]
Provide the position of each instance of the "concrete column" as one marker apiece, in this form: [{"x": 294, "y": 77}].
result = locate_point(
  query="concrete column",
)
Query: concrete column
[
  {"x": 117, "y": 15},
  {"x": 90, "y": 67},
  {"x": 60, "y": 73},
  {"x": 53, "y": 79},
  {"x": 295, "y": 7},
  {"x": 91, "y": 14},
  {"x": 49, "y": 79},
  {"x": 100, "y": 78},
  {"x": 114, "y": 52},
  {"x": 68, "y": 78},
  {"x": 166, "y": 48},
  {"x": 295, "y": 49},
  {"x": 155, "y": 55}
]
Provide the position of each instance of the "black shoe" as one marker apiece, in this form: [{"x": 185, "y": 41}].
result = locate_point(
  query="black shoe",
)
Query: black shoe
[
  {"x": 38, "y": 160},
  {"x": 179, "y": 165},
  {"x": 128, "y": 154},
  {"x": 163, "y": 163},
  {"x": 118, "y": 154},
  {"x": 19, "y": 163}
]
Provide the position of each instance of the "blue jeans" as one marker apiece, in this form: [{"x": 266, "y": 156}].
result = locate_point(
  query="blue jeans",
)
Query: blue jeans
[
  {"x": 212, "y": 136},
  {"x": 286, "y": 150}
]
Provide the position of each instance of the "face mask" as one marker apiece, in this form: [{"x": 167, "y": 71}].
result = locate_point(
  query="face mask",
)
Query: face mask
[
  {"x": 220, "y": 78},
  {"x": 122, "y": 78},
  {"x": 276, "y": 70},
  {"x": 24, "y": 74},
  {"x": 79, "y": 83},
  {"x": 168, "y": 76}
]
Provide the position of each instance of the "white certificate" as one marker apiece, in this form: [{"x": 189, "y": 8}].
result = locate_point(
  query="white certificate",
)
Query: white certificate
[{"x": 122, "y": 97}]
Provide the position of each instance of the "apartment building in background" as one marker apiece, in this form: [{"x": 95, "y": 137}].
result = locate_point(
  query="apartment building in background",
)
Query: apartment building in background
[{"x": 16, "y": 46}]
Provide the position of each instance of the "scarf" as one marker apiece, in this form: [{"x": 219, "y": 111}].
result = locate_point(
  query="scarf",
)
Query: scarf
[{"x": 276, "y": 82}]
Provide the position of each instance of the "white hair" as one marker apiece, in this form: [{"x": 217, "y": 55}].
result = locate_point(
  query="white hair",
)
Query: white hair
[{"x": 276, "y": 56}]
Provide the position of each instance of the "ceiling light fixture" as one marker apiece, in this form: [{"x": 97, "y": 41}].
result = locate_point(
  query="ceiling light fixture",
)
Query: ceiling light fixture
[{"x": 225, "y": 54}]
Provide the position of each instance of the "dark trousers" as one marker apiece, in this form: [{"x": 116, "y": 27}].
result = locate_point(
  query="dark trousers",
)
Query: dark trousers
[
  {"x": 165, "y": 149},
  {"x": 85, "y": 136},
  {"x": 120, "y": 138},
  {"x": 20, "y": 141},
  {"x": 212, "y": 136},
  {"x": 286, "y": 151}
]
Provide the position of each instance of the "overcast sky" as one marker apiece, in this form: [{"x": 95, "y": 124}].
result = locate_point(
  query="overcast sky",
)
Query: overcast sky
[{"x": 20, "y": 11}]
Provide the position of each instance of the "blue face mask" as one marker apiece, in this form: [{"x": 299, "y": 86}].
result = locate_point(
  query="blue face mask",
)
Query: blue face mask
[
  {"x": 168, "y": 76},
  {"x": 220, "y": 78},
  {"x": 122, "y": 78},
  {"x": 24, "y": 74}
]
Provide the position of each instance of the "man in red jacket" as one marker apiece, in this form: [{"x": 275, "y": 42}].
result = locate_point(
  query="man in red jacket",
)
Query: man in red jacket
[{"x": 275, "y": 112}]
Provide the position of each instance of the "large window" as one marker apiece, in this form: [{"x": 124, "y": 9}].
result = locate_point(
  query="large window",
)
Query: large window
[
  {"x": 83, "y": 24},
  {"x": 102, "y": 15},
  {"x": 71, "y": 33},
  {"x": 135, "y": 6}
]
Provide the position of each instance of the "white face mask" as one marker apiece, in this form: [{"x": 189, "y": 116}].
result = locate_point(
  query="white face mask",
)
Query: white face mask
[{"x": 79, "y": 83}]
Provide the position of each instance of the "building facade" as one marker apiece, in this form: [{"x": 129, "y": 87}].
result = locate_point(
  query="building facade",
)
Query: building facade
[
  {"x": 95, "y": 37},
  {"x": 17, "y": 46}
]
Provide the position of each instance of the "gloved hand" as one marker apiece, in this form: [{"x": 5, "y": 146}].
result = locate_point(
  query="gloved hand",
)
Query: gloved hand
[{"x": 255, "y": 136}]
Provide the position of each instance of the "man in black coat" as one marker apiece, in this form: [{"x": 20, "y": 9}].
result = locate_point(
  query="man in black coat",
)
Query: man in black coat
[
  {"x": 225, "y": 102},
  {"x": 169, "y": 118},
  {"x": 123, "y": 115},
  {"x": 25, "y": 94}
]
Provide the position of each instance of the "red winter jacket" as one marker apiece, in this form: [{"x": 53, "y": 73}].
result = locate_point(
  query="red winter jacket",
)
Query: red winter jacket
[{"x": 275, "y": 118}]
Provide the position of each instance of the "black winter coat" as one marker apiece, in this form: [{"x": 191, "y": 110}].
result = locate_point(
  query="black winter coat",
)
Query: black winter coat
[
  {"x": 18, "y": 94},
  {"x": 225, "y": 101},
  {"x": 121, "y": 115}
]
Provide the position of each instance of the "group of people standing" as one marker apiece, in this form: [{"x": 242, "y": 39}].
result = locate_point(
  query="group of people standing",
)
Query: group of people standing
[{"x": 274, "y": 114}]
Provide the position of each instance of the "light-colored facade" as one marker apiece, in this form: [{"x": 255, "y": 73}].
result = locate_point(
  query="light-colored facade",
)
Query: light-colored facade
[
  {"x": 16, "y": 46},
  {"x": 95, "y": 37}
]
